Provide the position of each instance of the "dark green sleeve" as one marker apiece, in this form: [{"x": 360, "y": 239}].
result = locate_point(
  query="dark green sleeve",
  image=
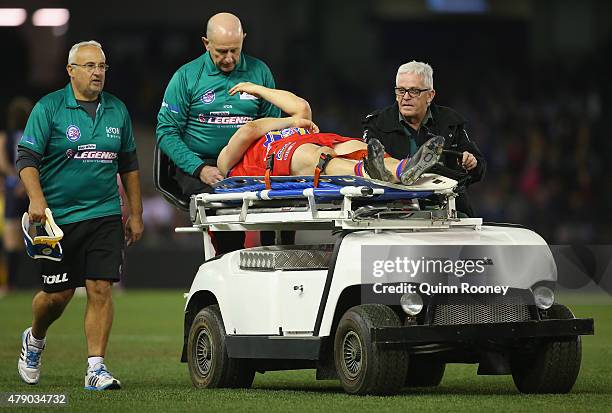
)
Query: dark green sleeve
[
  {"x": 268, "y": 110},
  {"x": 171, "y": 122}
]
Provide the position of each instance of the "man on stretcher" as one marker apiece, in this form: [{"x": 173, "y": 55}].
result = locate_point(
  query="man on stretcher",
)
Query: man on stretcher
[{"x": 293, "y": 146}]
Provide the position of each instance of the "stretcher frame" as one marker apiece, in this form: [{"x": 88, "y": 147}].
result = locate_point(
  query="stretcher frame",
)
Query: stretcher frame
[{"x": 331, "y": 206}]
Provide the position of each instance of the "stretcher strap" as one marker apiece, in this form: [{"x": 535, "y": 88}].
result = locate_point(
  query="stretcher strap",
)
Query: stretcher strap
[
  {"x": 324, "y": 159},
  {"x": 269, "y": 167}
]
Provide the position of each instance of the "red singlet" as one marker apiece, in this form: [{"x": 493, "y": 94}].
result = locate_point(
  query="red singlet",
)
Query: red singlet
[{"x": 283, "y": 145}]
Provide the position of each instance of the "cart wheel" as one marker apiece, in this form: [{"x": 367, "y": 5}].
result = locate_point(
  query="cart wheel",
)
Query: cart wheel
[
  {"x": 362, "y": 366},
  {"x": 555, "y": 365},
  {"x": 424, "y": 372},
  {"x": 209, "y": 366}
]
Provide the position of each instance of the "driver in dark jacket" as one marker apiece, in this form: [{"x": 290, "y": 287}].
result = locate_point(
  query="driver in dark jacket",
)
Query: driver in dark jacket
[{"x": 412, "y": 119}]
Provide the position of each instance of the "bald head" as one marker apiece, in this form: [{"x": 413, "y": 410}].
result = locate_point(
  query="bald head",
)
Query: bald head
[
  {"x": 224, "y": 26},
  {"x": 223, "y": 41}
]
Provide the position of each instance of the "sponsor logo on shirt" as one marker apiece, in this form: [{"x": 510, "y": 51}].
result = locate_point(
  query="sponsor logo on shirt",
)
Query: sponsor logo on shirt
[
  {"x": 88, "y": 153},
  {"x": 172, "y": 108},
  {"x": 73, "y": 133},
  {"x": 284, "y": 152},
  {"x": 113, "y": 133},
  {"x": 96, "y": 156},
  {"x": 223, "y": 118},
  {"x": 208, "y": 97},
  {"x": 29, "y": 139}
]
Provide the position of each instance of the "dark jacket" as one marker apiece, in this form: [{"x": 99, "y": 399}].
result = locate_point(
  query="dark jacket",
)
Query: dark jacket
[{"x": 384, "y": 124}]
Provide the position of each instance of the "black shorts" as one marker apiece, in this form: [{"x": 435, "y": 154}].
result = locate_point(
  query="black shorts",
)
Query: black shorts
[{"x": 93, "y": 250}]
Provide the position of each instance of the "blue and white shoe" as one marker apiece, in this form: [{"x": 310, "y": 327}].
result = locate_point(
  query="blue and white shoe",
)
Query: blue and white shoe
[
  {"x": 99, "y": 378},
  {"x": 29, "y": 360}
]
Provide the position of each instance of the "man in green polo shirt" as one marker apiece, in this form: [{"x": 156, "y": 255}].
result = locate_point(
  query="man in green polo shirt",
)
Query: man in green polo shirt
[
  {"x": 198, "y": 116},
  {"x": 75, "y": 142}
]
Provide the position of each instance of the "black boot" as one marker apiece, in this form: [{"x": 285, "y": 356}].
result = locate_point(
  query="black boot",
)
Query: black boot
[
  {"x": 426, "y": 157},
  {"x": 374, "y": 164}
]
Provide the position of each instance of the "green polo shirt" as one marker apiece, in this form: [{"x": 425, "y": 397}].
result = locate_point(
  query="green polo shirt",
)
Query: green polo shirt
[
  {"x": 78, "y": 170},
  {"x": 198, "y": 116}
]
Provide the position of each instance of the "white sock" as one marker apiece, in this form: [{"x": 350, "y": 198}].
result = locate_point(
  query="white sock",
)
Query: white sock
[
  {"x": 39, "y": 343},
  {"x": 93, "y": 361}
]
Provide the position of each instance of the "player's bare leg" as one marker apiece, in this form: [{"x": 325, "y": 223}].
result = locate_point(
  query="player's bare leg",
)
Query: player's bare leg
[
  {"x": 46, "y": 308},
  {"x": 98, "y": 316},
  {"x": 98, "y": 323},
  {"x": 347, "y": 147},
  {"x": 306, "y": 157},
  {"x": 380, "y": 168}
]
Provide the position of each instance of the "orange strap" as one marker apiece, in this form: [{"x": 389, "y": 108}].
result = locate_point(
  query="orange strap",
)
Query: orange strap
[
  {"x": 267, "y": 179},
  {"x": 269, "y": 167}
]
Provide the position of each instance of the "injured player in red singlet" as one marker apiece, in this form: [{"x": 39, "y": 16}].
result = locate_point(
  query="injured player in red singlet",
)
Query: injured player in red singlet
[{"x": 282, "y": 144}]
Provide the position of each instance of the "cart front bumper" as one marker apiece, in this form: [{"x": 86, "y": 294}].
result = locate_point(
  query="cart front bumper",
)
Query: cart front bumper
[{"x": 423, "y": 334}]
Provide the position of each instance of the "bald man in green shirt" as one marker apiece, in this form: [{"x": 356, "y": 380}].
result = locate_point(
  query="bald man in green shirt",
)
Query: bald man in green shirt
[{"x": 198, "y": 116}]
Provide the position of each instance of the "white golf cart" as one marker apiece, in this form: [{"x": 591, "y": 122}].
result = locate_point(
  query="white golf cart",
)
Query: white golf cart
[{"x": 318, "y": 306}]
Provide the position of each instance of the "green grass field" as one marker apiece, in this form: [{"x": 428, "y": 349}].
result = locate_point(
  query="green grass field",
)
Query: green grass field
[{"x": 145, "y": 349}]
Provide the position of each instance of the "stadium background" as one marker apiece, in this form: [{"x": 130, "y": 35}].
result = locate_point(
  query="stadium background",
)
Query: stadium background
[{"x": 530, "y": 76}]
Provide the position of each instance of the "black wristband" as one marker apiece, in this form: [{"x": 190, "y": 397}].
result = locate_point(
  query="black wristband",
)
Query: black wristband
[
  {"x": 196, "y": 173},
  {"x": 205, "y": 162}
]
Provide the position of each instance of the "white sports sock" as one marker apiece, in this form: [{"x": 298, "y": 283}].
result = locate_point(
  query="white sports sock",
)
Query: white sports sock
[
  {"x": 93, "y": 361},
  {"x": 39, "y": 343}
]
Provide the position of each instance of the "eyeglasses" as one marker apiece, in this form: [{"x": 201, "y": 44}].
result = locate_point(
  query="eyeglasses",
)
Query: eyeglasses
[
  {"x": 90, "y": 67},
  {"x": 413, "y": 92}
]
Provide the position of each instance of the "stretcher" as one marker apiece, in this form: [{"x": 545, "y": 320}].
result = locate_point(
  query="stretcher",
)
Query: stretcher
[{"x": 346, "y": 202}]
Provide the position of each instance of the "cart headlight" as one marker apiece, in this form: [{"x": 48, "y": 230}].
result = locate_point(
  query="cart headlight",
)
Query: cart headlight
[
  {"x": 411, "y": 303},
  {"x": 544, "y": 297}
]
